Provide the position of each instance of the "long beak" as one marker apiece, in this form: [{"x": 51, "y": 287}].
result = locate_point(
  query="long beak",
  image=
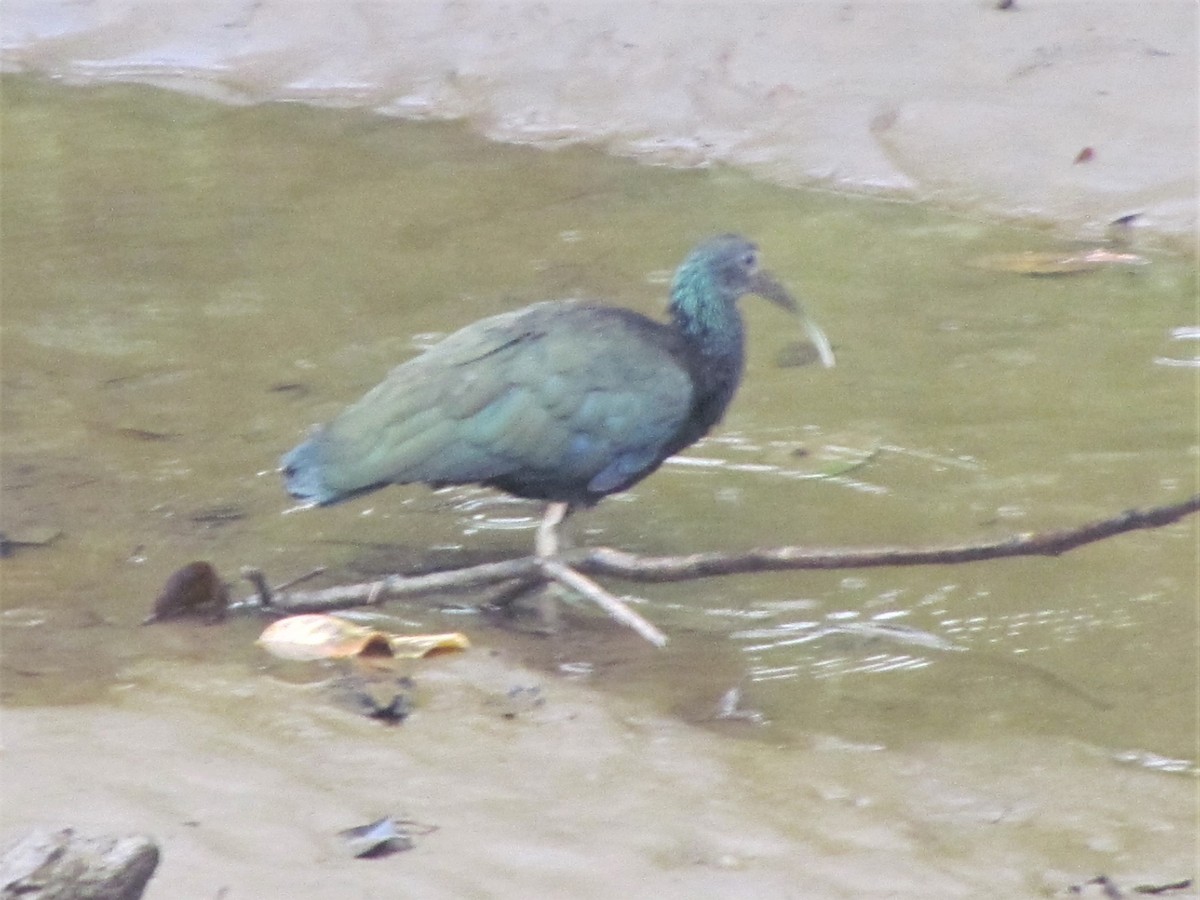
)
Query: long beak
[{"x": 766, "y": 286}]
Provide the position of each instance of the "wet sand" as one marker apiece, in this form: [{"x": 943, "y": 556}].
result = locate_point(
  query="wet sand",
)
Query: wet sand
[{"x": 581, "y": 797}]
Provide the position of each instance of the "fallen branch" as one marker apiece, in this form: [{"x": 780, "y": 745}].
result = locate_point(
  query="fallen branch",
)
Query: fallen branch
[
  {"x": 372, "y": 593},
  {"x": 619, "y": 564},
  {"x": 566, "y": 567}
]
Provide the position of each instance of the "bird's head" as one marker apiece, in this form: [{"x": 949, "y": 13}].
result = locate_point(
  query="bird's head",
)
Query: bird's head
[{"x": 725, "y": 267}]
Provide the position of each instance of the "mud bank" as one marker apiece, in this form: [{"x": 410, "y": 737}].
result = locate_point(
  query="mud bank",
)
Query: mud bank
[{"x": 571, "y": 799}]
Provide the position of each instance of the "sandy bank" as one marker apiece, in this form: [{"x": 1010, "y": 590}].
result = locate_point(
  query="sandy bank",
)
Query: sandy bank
[{"x": 962, "y": 104}]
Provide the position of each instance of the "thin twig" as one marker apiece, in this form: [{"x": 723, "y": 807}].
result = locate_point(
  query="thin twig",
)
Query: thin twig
[
  {"x": 615, "y": 607},
  {"x": 313, "y": 573}
]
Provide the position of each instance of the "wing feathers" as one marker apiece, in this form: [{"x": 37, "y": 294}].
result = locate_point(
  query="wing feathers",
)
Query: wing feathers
[{"x": 568, "y": 396}]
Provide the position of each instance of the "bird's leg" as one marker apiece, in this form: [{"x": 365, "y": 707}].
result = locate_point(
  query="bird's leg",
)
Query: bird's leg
[
  {"x": 546, "y": 542},
  {"x": 546, "y": 546}
]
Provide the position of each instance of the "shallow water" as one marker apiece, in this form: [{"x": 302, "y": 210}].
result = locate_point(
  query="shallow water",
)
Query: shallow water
[{"x": 188, "y": 286}]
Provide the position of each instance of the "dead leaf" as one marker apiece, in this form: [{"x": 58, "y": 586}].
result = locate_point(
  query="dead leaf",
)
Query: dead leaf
[
  {"x": 313, "y": 636},
  {"x": 418, "y": 646}
]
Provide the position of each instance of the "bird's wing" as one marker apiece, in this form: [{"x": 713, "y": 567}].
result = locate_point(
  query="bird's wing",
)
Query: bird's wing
[{"x": 558, "y": 393}]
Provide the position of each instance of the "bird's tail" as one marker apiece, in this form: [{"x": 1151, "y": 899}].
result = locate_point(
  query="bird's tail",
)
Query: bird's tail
[{"x": 301, "y": 469}]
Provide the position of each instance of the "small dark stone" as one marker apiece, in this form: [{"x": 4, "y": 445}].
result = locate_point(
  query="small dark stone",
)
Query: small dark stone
[
  {"x": 383, "y": 696},
  {"x": 194, "y": 590},
  {"x": 383, "y": 837}
]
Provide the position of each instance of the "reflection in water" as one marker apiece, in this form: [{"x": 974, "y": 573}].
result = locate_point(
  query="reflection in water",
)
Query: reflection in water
[
  {"x": 842, "y": 646},
  {"x": 1153, "y": 761},
  {"x": 483, "y": 510},
  {"x": 1185, "y": 333},
  {"x": 830, "y": 462}
]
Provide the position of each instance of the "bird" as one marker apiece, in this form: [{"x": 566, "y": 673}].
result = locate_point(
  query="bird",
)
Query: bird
[{"x": 563, "y": 401}]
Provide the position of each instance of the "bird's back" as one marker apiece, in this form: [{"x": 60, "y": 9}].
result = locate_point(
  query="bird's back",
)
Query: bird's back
[{"x": 558, "y": 401}]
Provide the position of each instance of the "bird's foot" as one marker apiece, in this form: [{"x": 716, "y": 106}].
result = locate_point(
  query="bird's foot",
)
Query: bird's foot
[{"x": 532, "y": 607}]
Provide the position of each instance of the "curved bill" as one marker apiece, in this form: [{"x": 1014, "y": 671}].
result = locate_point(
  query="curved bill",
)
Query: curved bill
[{"x": 766, "y": 286}]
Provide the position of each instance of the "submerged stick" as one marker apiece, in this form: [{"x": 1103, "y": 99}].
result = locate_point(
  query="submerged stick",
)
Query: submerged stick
[{"x": 615, "y": 607}]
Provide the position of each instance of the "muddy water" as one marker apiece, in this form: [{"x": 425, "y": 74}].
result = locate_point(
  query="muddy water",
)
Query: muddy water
[{"x": 187, "y": 287}]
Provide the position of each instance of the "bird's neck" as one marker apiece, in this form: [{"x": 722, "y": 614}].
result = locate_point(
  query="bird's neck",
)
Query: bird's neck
[
  {"x": 704, "y": 316},
  {"x": 711, "y": 326}
]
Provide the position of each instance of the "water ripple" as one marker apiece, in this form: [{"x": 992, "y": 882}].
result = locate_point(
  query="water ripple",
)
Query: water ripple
[{"x": 1182, "y": 333}]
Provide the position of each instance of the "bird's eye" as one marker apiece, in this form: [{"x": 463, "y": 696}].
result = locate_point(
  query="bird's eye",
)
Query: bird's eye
[{"x": 750, "y": 260}]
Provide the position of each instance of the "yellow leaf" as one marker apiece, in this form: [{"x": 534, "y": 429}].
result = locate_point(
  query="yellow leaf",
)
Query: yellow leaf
[
  {"x": 318, "y": 636},
  {"x": 416, "y": 646}
]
